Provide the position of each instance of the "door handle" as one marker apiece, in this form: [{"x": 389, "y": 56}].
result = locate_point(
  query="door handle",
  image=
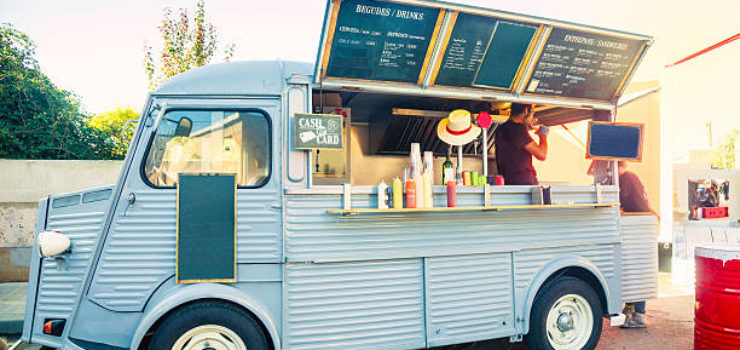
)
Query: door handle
[
  {"x": 130, "y": 200},
  {"x": 276, "y": 206}
]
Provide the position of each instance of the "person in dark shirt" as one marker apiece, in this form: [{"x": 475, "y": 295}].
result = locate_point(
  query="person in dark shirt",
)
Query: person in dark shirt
[
  {"x": 515, "y": 148},
  {"x": 633, "y": 199},
  {"x": 632, "y": 195}
]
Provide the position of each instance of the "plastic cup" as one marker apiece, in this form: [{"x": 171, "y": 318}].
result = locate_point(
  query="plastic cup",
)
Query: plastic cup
[{"x": 499, "y": 180}]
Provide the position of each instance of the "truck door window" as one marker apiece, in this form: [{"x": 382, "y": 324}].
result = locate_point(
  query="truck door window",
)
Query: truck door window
[{"x": 210, "y": 141}]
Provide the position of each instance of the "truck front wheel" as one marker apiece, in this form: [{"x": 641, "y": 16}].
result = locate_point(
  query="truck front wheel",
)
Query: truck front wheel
[
  {"x": 566, "y": 315},
  {"x": 209, "y": 325}
]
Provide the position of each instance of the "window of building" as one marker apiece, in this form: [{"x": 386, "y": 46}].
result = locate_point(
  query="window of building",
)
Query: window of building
[{"x": 209, "y": 142}]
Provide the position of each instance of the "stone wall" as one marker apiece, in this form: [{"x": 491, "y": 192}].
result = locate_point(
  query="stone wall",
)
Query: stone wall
[
  {"x": 22, "y": 184},
  {"x": 17, "y": 224}
]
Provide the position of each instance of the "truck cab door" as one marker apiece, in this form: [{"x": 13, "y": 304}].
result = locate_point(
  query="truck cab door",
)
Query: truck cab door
[{"x": 236, "y": 136}]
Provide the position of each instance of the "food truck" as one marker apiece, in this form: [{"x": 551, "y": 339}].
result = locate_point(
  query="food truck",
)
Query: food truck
[{"x": 249, "y": 211}]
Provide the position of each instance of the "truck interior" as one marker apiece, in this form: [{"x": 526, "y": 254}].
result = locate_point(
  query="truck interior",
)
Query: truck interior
[{"x": 380, "y": 127}]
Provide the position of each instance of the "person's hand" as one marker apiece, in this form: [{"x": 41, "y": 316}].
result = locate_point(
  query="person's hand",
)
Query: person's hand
[{"x": 543, "y": 130}]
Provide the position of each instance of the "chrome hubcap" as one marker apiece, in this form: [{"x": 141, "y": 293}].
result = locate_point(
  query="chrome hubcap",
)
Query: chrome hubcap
[
  {"x": 565, "y": 322},
  {"x": 569, "y": 323},
  {"x": 209, "y": 337}
]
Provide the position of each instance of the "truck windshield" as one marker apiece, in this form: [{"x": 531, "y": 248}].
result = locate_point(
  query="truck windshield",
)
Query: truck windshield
[{"x": 210, "y": 141}]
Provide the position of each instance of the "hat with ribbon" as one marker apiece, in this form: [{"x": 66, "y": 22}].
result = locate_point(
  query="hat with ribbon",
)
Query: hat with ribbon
[{"x": 457, "y": 129}]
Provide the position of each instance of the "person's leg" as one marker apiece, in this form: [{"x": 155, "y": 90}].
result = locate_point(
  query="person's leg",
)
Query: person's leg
[
  {"x": 637, "y": 319},
  {"x": 629, "y": 313},
  {"x": 640, "y": 307}
]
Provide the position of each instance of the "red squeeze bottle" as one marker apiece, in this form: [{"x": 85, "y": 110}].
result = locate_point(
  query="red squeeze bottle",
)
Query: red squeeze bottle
[
  {"x": 410, "y": 193},
  {"x": 451, "y": 196}
]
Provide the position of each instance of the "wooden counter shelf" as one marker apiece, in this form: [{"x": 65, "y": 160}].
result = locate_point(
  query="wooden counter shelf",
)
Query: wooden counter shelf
[{"x": 475, "y": 208}]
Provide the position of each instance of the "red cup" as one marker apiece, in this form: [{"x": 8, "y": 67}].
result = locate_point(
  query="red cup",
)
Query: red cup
[
  {"x": 451, "y": 195},
  {"x": 499, "y": 180}
]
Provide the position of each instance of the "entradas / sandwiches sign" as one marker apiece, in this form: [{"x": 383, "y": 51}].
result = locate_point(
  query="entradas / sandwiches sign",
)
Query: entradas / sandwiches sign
[{"x": 317, "y": 131}]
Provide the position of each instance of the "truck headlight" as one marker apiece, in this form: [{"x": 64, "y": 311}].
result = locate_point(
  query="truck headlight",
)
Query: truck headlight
[{"x": 52, "y": 243}]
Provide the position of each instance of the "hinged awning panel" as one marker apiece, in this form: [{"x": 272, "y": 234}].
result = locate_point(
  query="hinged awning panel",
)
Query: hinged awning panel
[{"x": 437, "y": 48}]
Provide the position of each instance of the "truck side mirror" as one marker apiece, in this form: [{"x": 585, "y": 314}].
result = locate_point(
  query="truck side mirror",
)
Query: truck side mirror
[{"x": 183, "y": 127}]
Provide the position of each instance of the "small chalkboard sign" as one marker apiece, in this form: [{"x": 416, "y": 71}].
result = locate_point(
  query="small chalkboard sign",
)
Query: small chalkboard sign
[
  {"x": 614, "y": 141},
  {"x": 379, "y": 41},
  {"x": 318, "y": 131},
  {"x": 485, "y": 52},
  {"x": 206, "y": 228},
  {"x": 583, "y": 65}
]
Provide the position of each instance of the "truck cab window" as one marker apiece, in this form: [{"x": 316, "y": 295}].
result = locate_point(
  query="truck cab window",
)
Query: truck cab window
[{"x": 210, "y": 141}]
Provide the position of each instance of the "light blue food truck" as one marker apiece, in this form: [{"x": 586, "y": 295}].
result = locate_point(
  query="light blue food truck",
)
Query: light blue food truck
[{"x": 228, "y": 229}]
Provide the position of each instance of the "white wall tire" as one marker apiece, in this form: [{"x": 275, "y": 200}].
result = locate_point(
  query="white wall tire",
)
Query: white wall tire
[
  {"x": 566, "y": 315},
  {"x": 209, "y": 325}
]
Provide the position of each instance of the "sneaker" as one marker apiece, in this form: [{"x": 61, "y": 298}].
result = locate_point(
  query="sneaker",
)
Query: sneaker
[{"x": 636, "y": 321}]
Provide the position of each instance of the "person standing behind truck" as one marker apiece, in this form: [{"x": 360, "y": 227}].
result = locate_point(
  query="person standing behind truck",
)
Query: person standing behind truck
[
  {"x": 632, "y": 199},
  {"x": 515, "y": 148}
]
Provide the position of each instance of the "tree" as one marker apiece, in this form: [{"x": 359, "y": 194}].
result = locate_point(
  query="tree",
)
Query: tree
[
  {"x": 38, "y": 120},
  {"x": 111, "y": 124},
  {"x": 723, "y": 156},
  {"x": 186, "y": 44}
]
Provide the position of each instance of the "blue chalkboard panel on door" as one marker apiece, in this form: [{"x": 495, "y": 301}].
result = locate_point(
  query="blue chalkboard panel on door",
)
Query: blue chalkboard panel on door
[{"x": 206, "y": 228}]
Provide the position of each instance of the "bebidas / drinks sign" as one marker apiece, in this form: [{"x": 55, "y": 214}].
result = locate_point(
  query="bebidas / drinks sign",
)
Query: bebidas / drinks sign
[{"x": 317, "y": 131}]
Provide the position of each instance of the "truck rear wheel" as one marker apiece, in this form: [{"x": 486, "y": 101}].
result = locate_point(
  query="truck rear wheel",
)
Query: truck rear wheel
[
  {"x": 566, "y": 315},
  {"x": 209, "y": 325}
]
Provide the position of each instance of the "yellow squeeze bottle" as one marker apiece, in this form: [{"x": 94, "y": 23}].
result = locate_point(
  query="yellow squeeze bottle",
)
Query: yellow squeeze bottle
[{"x": 397, "y": 194}]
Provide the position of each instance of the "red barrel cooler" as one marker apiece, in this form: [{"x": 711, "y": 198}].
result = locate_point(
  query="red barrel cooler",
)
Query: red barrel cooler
[{"x": 717, "y": 306}]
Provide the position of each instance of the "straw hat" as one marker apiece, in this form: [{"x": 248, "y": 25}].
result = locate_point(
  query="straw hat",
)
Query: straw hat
[{"x": 457, "y": 129}]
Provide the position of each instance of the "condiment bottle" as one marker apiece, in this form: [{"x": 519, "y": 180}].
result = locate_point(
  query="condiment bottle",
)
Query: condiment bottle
[
  {"x": 416, "y": 173},
  {"x": 410, "y": 194},
  {"x": 397, "y": 194},
  {"x": 451, "y": 195},
  {"x": 448, "y": 169},
  {"x": 382, "y": 195}
]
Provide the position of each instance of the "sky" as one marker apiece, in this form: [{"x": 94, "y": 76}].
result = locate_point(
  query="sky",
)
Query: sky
[{"x": 95, "y": 47}]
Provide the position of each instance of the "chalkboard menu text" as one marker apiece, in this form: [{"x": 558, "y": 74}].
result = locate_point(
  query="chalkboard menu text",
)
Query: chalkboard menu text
[
  {"x": 579, "y": 64},
  {"x": 484, "y": 52},
  {"x": 380, "y": 41}
]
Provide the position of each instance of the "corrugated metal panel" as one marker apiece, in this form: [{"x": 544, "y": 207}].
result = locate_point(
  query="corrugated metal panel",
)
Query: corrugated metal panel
[
  {"x": 364, "y": 305},
  {"x": 313, "y": 235},
  {"x": 139, "y": 253},
  {"x": 469, "y": 298},
  {"x": 639, "y": 257},
  {"x": 60, "y": 281},
  {"x": 528, "y": 262}
]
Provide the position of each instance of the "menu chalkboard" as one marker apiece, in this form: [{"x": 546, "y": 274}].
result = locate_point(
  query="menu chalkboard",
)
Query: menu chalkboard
[
  {"x": 579, "y": 64},
  {"x": 380, "y": 41},
  {"x": 484, "y": 52},
  {"x": 614, "y": 141}
]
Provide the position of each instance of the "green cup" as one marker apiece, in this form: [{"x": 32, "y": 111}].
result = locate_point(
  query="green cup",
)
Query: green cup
[{"x": 474, "y": 178}]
